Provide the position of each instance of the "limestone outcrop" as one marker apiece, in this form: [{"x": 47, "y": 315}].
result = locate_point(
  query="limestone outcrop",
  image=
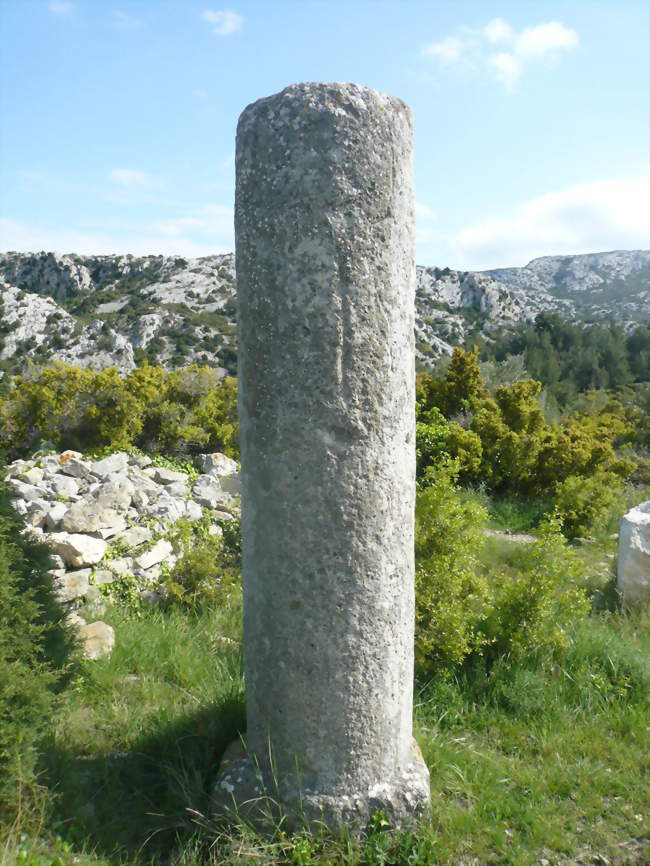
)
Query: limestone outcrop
[{"x": 161, "y": 296}]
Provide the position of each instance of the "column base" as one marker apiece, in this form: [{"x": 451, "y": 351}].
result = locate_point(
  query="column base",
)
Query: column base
[{"x": 242, "y": 792}]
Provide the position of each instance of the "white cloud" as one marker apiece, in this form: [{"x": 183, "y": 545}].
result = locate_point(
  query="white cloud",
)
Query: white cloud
[
  {"x": 210, "y": 220},
  {"x": 129, "y": 186},
  {"x": 60, "y": 7},
  {"x": 423, "y": 211},
  {"x": 224, "y": 22},
  {"x": 425, "y": 229},
  {"x": 590, "y": 217},
  {"x": 448, "y": 50},
  {"x": 544, "y": 39},
  {"x": 506, "y": 67},
  {"x": 530, "y": 44},
  {"x": 498, "y": 30}
]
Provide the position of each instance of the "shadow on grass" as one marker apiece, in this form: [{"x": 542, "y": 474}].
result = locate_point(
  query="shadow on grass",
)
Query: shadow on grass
[{"x": 138, "y": 805}]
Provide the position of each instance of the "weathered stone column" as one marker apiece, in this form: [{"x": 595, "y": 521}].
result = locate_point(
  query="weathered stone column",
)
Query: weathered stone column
[
  {"x": 633, "y": 573},
  {"x": 326, "y": 285}
]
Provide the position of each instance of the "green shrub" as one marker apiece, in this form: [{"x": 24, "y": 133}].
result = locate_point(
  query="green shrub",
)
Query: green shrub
[
  {"x": 452, "y": 598},
  {"x": 469, "y": 610},
  {"x": 437, "y": 438},
  {"x": 505, "y": 441},
  {"x": 509, "y": 454},
  {"x": 69, "y": 406},
  {"x": 182, "y": 412},
  {"x": 584, "y": 503},
  {"x": 209, "y": 567},
  {"x": 581, "y": 446},
  {"x": 199, "y": 576},
  {"x": 35, "y": 647},
  {"x": 186, "y": 411},
  {"x": 534, "y": 607},
  {"x": 459, "y": 389}
]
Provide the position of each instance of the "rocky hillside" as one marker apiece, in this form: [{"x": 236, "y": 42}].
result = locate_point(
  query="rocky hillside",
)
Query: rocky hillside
[{"x": 104, "y": 310}]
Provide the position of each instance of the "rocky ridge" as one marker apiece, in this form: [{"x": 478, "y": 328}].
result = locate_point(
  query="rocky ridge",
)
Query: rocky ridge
[
  {"x": 110, "y": 520},
  {"x": 118, "y": 310}
]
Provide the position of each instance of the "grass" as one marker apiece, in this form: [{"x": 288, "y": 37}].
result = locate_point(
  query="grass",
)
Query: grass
[
  {"x": 542, "y": 760},
  {"x": 141, "y": 732},
  {"x": 507, "y": 513},
  {"x": 545, "y": 760}
]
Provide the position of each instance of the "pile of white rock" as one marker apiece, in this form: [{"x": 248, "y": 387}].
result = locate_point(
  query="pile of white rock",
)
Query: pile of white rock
[{"x": 88, "y": 510}]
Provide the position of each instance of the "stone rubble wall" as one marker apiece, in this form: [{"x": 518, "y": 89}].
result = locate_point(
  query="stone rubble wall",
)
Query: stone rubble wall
[{"x": 107, "y": 519}]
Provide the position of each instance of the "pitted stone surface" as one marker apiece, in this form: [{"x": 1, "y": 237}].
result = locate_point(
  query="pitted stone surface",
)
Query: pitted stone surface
[
  {"x": 326, "y": 284},
  {"x": 245, "y": 791},
  {"x": 633, "y": 577}
]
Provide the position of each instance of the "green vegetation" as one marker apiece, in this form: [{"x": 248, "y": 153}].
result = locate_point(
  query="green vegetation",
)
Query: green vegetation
[
  {"x": 571, "y": 358},
  {"x": 539, "y": 756},
  {"x": 449, "y": 612},
  {"x": 35, "y": 651},
  {"x": 578, "y": 464},
  {"x": 209, "y": 566},
  {"x": 474, "y": 613},
  {"x": 182, "y": 412},
  {"x": 532, "y": 688}
]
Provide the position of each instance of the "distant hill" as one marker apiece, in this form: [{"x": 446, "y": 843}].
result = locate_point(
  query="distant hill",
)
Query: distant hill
[{"x": 104, "y": 310}]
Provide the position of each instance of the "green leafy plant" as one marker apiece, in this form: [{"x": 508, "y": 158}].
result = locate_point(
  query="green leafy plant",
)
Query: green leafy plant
[
  {"x": 506, "y": 443},
  {"x": 35, "y": 650},
  {"x": 584, "y": 503},
  {"x": 452, "y": 597},
  {"x": 209, "y": 565},
  {"x": 437, "y": 438},
  {"x": 535, "y": 607},
  {"x": 178, "y": 413},
  {"x": 125, "y": 589}
]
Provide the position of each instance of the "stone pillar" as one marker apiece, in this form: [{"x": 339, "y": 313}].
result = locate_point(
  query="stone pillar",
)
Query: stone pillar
[
  {"x": 633, "y": 573},
  {"x": 326, "y": 287}
]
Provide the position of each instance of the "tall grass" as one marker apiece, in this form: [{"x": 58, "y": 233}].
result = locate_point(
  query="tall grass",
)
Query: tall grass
[
  {"x": 542, "y": 755},
  {"x": 545, "y": 757}
]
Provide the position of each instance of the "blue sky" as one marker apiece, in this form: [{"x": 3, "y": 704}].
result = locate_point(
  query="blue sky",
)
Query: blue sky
[{"x": 532, "y": 119}]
